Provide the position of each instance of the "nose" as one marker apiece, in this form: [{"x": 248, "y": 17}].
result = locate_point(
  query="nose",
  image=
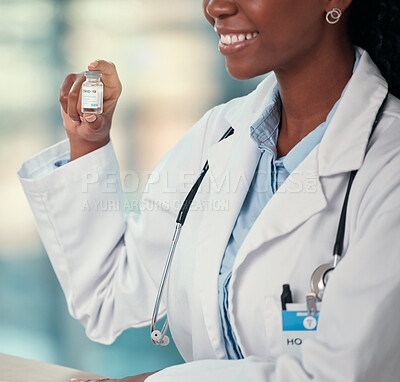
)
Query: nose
[{"x": 218, "y": 9}]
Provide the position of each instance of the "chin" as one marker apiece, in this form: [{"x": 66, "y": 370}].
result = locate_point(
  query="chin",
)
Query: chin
[
  {"x": 245, "y": 73},
  {"x": 240, "y": 77}
]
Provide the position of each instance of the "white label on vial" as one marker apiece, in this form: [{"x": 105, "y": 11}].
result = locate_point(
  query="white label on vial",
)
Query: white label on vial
[{"x": 91, "y": 97}]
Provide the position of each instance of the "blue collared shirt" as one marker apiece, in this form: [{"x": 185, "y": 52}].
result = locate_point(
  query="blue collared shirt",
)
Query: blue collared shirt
[{"x": 270, "y": 173}]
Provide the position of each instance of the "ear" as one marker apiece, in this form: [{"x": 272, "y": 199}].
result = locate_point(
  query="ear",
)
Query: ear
[{"x": 343, "y": 5}]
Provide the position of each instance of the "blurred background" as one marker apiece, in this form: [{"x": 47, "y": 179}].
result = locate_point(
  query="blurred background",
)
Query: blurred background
[{"x": 172, "y": 73}]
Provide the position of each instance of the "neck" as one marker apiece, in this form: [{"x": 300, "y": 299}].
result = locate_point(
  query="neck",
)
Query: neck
[{"x": 309, "y": 89}]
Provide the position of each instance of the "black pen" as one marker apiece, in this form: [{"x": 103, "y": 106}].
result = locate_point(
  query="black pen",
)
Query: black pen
[{"x": 286, "y": 296}]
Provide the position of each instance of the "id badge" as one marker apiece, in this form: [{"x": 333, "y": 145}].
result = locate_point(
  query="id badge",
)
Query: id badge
[{"x": 297, "y": 326}]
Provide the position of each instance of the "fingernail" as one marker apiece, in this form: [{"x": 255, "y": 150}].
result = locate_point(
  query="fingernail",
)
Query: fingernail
[
  {"x": 91, "y": 118},
  {"x": 93, "y": 64},
  {"x": 74, "y": 379}
]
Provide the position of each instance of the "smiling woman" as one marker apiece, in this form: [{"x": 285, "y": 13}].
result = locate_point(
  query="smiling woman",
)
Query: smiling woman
[
  {"x": 316, "y": 145},
  {"x": 288, "y": 34}
]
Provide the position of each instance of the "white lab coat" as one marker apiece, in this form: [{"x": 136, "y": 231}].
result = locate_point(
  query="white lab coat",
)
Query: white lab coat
[{"x": 110, "y": 268}]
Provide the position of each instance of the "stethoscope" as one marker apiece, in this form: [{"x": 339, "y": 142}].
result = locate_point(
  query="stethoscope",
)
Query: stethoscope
[{"x": 319, "y": 277}]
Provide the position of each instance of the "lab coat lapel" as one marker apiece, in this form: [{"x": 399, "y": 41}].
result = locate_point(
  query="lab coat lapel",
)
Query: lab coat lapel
[
  {"x": 341, "y": 150},
  {"x": 344, "y": 144},
  {"x": 232, "y": 165},
  {"x": 300, "y": 197}
]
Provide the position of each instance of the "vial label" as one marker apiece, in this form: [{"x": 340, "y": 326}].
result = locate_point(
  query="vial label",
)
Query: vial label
[{"x": 92, "y": 98}]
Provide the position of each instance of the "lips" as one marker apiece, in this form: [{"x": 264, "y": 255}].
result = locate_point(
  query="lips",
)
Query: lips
[{"x": 232, "y": 42}]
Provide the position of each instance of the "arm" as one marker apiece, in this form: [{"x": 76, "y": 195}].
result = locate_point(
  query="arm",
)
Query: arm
[{"x": 109, "y": 267}]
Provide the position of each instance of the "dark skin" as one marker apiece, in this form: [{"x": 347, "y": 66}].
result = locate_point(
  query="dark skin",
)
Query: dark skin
[{"x": 312, "y": 61}]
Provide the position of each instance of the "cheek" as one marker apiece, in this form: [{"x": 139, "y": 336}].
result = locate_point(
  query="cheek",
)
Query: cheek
[
  {"x": 287, "y": 34},
  {"x": 287, "y": 20}
]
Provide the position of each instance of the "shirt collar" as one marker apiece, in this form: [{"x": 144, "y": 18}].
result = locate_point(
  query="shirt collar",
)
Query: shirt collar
[{"x": 265, "y": 130}]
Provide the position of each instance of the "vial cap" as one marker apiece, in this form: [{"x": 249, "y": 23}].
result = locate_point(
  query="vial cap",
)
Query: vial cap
[{"x": 93, "y": 73}]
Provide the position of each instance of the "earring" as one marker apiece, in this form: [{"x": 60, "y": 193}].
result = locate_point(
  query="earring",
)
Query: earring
[{"x": 334, "y": 14}]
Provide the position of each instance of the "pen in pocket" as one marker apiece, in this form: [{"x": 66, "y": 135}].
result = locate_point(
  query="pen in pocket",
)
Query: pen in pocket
[{"x": 286, "y": 296}]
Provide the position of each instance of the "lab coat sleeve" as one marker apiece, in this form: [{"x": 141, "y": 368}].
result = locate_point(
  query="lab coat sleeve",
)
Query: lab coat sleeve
[
  {"x": 109, "y": 266},
  {"x": 359, "y": 327}
]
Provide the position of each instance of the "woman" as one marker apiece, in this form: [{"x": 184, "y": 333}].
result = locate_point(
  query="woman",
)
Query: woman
[{"x": 282, "y": 175}]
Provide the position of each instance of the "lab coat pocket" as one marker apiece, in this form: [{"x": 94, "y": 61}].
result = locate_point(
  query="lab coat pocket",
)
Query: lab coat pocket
[
  {"x": 298, "y": 325},
  {"x": 273, "y": 326}
]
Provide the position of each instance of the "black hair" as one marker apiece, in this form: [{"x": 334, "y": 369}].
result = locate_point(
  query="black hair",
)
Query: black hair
[{"x": 374, "y": 25}]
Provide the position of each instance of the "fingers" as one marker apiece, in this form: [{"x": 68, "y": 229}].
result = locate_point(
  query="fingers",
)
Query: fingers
[
  {"x": 64, "y": 90},
  {"x": 70, "y": 95},
  {"x": 109, "y": 77},
  {"x": 88, "y": 132},
  {"x": 67, "y": 120},
  {"x": 70, "y": 89},
  {"x": 94, "y": 121},
  {"x": 74, "y": 96},
  {"x": 89, "y": 125},
  {"x": 107, "y": 68},
  {"x": 92, "y": 380}
]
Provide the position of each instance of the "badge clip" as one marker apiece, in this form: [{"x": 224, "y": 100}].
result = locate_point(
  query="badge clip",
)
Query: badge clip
[{"x": 311, "y": 299}]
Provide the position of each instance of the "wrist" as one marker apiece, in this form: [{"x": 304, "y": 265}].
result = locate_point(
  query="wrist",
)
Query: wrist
[{"x": 80, "y": 147}]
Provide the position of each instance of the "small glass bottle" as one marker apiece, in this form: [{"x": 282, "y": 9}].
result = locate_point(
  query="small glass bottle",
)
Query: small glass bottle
[{"x": 92, "y": 93}]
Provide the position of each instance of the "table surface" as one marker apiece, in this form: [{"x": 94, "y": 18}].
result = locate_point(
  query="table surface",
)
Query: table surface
[{"x": 15, "y": 369}]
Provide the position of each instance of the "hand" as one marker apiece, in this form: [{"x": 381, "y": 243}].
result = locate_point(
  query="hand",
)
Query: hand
[
  {"x": 138, "y": 378},
  {"x": 134, "y": 378},
  {"x": 88, "y": 132}
]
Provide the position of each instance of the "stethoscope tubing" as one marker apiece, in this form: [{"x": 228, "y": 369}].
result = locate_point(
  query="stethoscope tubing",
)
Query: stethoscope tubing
[
  {"x": 320, "y": 276},
  {"x": 160, "y": 338},
  {"x": 157, "y": 340}
]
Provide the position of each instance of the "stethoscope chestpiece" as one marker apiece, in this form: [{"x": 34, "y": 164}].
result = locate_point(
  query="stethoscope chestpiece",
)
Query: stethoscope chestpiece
[
  {"x": 319, "y": 279},
  {"x": 159, "y": 339}
]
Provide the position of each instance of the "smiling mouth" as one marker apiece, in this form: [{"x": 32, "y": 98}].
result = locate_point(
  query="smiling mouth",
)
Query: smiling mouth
[{"x": 231, "y": 39}]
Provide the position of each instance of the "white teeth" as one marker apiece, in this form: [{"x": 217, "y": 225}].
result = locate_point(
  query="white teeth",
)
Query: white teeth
[{"x": 233, "y": 39}]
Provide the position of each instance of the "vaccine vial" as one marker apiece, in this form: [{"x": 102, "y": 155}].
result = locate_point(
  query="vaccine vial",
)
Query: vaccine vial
[{"x": 92, "y": 93}]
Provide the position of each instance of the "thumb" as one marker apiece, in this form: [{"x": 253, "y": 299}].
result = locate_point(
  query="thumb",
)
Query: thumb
[{"x": 93, "y": 121}]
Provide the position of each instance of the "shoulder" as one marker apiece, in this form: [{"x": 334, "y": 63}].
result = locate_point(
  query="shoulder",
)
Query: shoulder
[
  {"x": 393, "y": 106},
  {"x": 379, "y": 176},
  {"x": 385, "y": 143}
]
